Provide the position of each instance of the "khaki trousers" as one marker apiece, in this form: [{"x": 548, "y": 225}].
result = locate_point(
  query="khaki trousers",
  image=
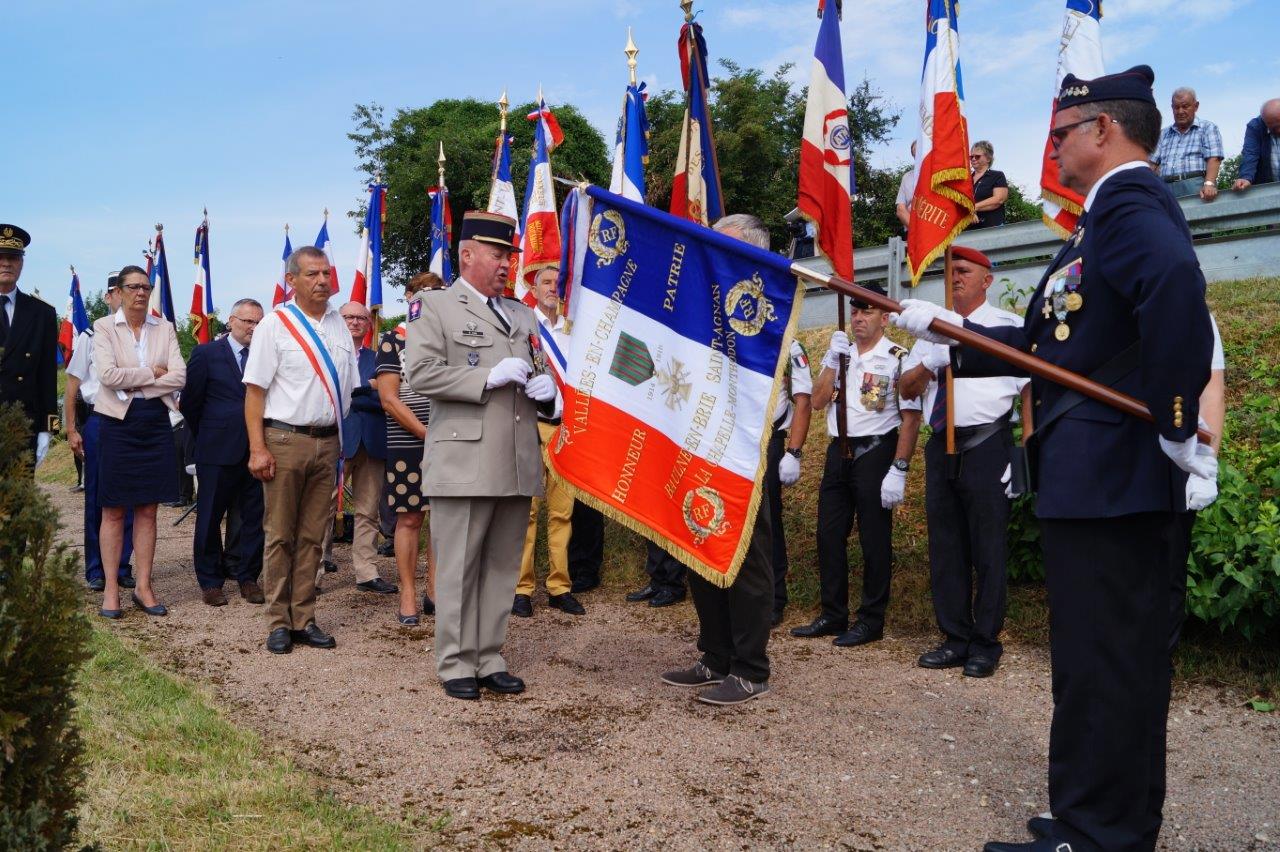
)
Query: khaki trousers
[
  {"x": 559, "y": 517},
  {"x": 365, "y": 475},
  {"x": 299, "y": 504},
  {"x": 477, "y": 542}
]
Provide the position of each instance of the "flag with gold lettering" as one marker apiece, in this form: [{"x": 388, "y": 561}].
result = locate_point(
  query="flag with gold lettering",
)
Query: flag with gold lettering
[{"x": 674, "y": 363}]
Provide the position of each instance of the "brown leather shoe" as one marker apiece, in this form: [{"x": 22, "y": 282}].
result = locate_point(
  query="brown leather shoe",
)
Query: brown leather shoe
[
  {"x": 251, "y": 592},
  {"x": 213, "y": 597}
]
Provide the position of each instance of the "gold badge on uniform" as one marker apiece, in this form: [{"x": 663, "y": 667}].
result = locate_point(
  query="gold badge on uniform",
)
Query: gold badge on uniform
[{"x": 1062, "y": 296}]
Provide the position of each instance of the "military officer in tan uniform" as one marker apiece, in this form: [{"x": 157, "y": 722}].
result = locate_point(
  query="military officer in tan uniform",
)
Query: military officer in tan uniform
[{"x": 469, "y": 350}]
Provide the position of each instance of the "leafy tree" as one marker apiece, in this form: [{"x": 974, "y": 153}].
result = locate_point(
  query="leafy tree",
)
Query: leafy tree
[
  {"x": 404, "y": 151},
  {"x": 1229, "y": 172},
  {"x": 1019, "y": 208},
  {"x": 95, "y": 305}
]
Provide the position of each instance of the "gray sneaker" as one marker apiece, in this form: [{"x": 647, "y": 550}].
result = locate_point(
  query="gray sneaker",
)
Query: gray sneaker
[
  {"x": 734, "y": 690},
  {"x": 695, "y": 675}
]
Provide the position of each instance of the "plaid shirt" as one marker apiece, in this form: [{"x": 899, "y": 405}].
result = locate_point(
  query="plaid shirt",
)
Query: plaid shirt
[
  {"x": 1275, "y": 156},
  {"x": 1183, "y": 153}
]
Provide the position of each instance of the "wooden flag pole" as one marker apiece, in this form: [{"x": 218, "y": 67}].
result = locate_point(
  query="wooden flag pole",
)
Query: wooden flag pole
[
  {"x": 842, "y": 413},
  {"x": 949, "y": 378}
]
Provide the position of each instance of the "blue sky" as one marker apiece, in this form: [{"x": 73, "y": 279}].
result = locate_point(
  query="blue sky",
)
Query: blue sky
[{"x": 124, "y": 113}]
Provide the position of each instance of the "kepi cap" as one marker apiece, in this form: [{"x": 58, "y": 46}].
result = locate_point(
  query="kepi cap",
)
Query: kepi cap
[
  {"x": 492, "y": 228},
  {"x": 13, "y": 240},
  {"x": 1132, "y": 85},
  {"x": 970, "y": 254},
  {"x": 874, "y": 288}
]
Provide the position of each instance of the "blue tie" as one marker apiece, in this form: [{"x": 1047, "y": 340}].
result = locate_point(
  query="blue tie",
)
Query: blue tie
[
  {"x": 938, "y": 416},
  {"x": 243, "y": 357}
]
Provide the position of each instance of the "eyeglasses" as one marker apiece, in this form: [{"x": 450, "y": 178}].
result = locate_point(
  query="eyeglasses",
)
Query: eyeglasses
[
  {"x": 975, "y": 156},
  {"x": 355, "y": 319},
  {"x": 138, "y": 288},
  {"x": 1060, "y": 135}
]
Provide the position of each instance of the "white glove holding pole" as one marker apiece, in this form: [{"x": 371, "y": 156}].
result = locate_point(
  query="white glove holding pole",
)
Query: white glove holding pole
[
  {"x": 540, "y": 388},
  {"x": 1201, "y": 492},
  {"x": 508, "y": 371},
  {"x": 788, "y": 469},
  {"x": 1006, "y": 479},
  {"x": 42, "y": 446},
  {"x": 1192, "y": 456},
  {"x": 936, "y": 358},
  {"x": 839, "y": 348},
  {"x": 893, "y": 488},
  {"x": 917, "y": 314}
]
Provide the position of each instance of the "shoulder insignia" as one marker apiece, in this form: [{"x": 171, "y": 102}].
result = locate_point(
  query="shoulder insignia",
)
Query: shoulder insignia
[
  {"x": 897, "y": 351},
  {"x": 415, "y": 310}
]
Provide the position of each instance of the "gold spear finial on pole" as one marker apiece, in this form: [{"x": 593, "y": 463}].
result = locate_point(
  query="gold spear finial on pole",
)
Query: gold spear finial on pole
[
  {"x": 632, "y": 52},
  {"x": 286, "y": 229},
  {"x": 440, "y": 163},
  {"x": 687, "y": 5},
  {"x": 326, "y": 215},
  {"x": 73, "y": 269},
  {"x": 503, "y": 105}
]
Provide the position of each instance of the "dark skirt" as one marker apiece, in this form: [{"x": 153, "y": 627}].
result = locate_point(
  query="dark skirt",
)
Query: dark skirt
[
  {"x": 403, "y": 490},
  {"x": 137, "y": 459}
]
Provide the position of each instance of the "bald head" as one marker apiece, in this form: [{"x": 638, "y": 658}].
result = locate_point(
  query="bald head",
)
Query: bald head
[
  {"x": 358, "y": 320},
  {"x": 1271, "y": 116}
]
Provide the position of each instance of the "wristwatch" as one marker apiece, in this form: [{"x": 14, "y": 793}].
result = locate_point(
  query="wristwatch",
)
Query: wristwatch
[
  {"x": 902, "y": 465},
  {"x": 795, "y": 452}
]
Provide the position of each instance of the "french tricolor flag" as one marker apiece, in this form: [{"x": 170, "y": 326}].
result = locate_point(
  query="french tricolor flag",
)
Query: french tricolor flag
[
  {"x": 283, "y": 293},
  {"x": 826, "y": 166},
  {"x": 540, "y": 231},
  {"x": 547, "y": 124},
  {"x": 326, "y": 245}
]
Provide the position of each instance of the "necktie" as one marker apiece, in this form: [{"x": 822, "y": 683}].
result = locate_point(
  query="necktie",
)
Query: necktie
[
  {"x": 938, "y": 416},
  {"x": 244, "y": 356},
  {"x": 4, "y": 319},
  {"x": 493, "y": 306}
]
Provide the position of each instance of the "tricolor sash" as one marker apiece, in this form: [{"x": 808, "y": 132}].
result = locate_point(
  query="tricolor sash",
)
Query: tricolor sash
[{"x": 295, "y": 322}]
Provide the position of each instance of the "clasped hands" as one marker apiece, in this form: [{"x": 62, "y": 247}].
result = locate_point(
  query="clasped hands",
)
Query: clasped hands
[{"x": 516, "y": 371}]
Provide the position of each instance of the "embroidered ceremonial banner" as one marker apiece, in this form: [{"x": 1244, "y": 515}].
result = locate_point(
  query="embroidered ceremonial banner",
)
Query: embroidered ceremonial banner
[
  {"x": 1079, "y": 53},
  {"x": 202, "y": 291},
  {"x": 674, "y": 364}
]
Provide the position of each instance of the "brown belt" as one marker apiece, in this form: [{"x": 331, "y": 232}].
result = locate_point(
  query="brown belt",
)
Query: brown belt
[{"x": 309, "y": 431}]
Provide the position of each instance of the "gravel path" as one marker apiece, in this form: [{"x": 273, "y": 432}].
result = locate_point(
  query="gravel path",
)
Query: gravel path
[{"x": 853, "y": 749}]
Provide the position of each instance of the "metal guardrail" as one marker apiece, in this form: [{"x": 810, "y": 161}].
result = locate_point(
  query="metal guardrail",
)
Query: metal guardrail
[{"x": 1236, "y": 236}]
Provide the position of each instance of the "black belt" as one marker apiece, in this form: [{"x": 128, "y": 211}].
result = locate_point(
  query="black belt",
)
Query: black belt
[
  {"x": 309, "y": 431},
  {"x": 968, "y": 437},
  {"x": 862, "y": 445},
  {"x": 550, "y": 421},
  {"x": 1184, "y": 176}
]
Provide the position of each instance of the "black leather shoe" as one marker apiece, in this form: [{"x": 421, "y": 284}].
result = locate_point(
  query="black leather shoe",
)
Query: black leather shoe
[
  {"x": 776, "y": 618},
  {"x": 329, "y": 566},
  {"x": 522, "y": 606},
  {"x": 1040, "y": 827},
  {"x": 387, "y": 548},
  {"x": 158, "y": 609},
  {"x": 642, "y": 594},
  {"x": 580, "y": 586},
  {"x": 462, "y": 687},
  {"x": 566, "y": 603},
  {"x": 666, "y": 597},
  {"x": 1042, "y": 845},
  {"x": 980, "y": 667},
  {"x": 858, "y": 634},
  {"x": 821, "y": 626},
  {"x": 96, "y": 584},
  {"x": 280, "y": 641},
  {"x": 126, "y": 581},
  {"x": 428, "y": 605},
  {"x": 314, "y": 637},
  {"x": 379, "y": 585},
  {"x": 504, "y": 682},
  {"x": 941, "y": 657}
]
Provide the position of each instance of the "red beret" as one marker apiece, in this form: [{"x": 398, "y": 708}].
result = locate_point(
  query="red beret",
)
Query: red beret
[{"x": 971, "y": 255}]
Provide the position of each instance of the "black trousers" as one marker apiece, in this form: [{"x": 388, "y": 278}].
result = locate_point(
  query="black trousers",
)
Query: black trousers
[
  {"x": 968, "y": 518},
  {"x": 221, "y": 487},
  {"x": 186, "y": 455},
  {"x": 1109, "y": 614},
  {"x": 851, "y": 490},
  {"x": 733, "y": 623},
  {"x": 778, "y": 539},
  {"x": 1180, "y": 551},
  {"x": 586, "y": 544},
  {"x": 664, "y": 570}
]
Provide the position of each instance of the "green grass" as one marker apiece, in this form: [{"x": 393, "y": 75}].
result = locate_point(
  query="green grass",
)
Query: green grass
[{"x": 166, "y": 770}]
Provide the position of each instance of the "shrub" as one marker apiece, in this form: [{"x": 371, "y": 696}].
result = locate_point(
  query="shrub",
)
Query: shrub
[{"x": 43, "y": 641}]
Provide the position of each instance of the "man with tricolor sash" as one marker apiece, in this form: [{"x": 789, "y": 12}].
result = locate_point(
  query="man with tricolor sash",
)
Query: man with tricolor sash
[{"x": 298, "y": 380}]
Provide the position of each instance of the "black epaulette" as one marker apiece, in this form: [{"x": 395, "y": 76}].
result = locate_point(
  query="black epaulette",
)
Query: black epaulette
[{"x": 897, "y": 351}]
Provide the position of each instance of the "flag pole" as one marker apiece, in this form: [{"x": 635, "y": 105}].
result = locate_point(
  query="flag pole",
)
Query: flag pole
[
  {"x": 632, "y": 52},
  {"x": 687, "y": 6},
  {"x": 949, "y": 377},
  {"x": 1031, "y": 364}
]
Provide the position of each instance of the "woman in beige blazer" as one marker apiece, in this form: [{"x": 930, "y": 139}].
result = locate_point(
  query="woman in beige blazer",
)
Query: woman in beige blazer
[{"x": 140, "y": 367}]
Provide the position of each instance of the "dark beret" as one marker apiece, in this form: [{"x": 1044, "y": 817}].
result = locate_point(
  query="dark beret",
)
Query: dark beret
[{"x": 1132, "y": 85}]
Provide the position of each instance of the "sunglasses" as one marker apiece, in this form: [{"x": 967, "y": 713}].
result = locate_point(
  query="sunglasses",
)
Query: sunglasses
[{"x": 1060, "y": 134}]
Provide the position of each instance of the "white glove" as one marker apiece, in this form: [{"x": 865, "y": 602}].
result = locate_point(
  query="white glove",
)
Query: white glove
[
  {"x": 540, "y": 388},
  {"x": 936, "y": 358},
  {"x": 916, "y": 316},
  {"x": 839, "y": 348},
  {"x": 1200, "y": 492},
  {"x": 1192, "y": 456},
  {"x": 508, "y": 371},
  {"x": 788, "y": 469},
  {"x": 190, "y": 469},
  {"x": 1006, "y": 479},
  {"x": 893, "y": 488},
  {"x": 42, "y": 446}
]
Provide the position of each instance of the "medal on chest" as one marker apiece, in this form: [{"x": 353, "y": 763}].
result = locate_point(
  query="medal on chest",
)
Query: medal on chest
[{"x": 1062, "y": 297}]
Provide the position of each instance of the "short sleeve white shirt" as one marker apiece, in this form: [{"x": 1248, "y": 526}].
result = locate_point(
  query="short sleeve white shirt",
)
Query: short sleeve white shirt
[
  {"x": 279, "y": 364},
  {"x": 801, "y": 381},
  {"x": 1219, "y": 360},
  {"x": 872, "y": 405},
  {"x": 81, "y": 366}
]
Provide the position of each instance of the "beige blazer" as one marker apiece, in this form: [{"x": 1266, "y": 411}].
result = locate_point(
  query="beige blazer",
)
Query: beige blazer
[
  {"x": 480, "y": 443},
  {"x": 116, "y": 360}
]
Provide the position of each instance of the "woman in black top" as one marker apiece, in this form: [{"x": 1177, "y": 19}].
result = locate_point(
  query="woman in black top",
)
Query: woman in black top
[{"x": 990, "y": 189}]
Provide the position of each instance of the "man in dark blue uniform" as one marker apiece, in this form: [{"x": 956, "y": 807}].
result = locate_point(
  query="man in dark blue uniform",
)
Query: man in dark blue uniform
[
  {"x": 1123, "y": 302},
  {"x": 28, "y": 345}
]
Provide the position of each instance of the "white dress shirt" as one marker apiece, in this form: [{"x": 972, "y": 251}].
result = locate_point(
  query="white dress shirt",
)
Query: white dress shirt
[
  {"x": 81, "y": 366},
  {"x": 8, "y": 308},
  {"x": 801, "y": 382},
  {"x": 278, "y": 364},
  {"x": 872, "y": 405},
  {"x": 977, "y": 401},
  {"x": 561, "y": 337}
]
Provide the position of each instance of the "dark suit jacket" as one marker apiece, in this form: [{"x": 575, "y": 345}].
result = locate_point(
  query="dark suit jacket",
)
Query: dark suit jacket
[
  {"x": 29, "y": 364},
  {"x": 1255, "y": 157},
  {"x": 366, "y": 424},
  {"x": 213, "y": 404},
  {"x": 1141, "y": 282}
]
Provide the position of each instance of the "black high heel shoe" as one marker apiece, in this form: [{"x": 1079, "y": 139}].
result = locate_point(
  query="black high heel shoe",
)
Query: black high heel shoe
[
  {"x": 408, "y": 620},
  {"x": 428, "y": 605},
  {"x": 158, "y": 609}
]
